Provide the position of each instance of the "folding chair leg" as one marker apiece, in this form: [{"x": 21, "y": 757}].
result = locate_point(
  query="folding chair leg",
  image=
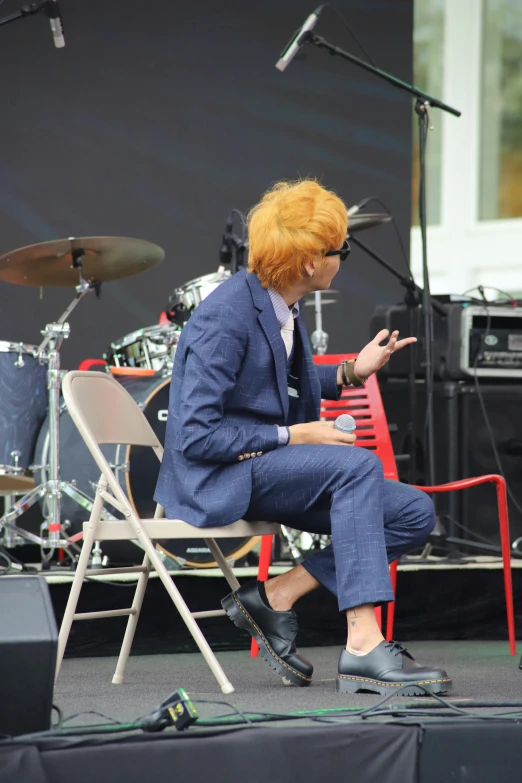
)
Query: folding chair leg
[
  {"x": 184, "y": 611},
  {"x": 132, "y": 622},
  {"x": 222, "y": 563},
  {"x": 76, "y": 586}
]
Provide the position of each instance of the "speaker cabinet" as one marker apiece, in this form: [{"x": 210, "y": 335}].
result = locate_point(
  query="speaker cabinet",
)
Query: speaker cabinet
[
  {"x": 463, "y": 446},
  {"x": 28, "y": 645}
]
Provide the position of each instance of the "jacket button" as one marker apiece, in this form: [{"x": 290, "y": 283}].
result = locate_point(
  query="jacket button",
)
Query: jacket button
[
  {"x": 253, "y": 454},
  {"x": 259, "y": 453},
  {"x": 240, "y": 457},
  {"x": 247, "y": 456}
]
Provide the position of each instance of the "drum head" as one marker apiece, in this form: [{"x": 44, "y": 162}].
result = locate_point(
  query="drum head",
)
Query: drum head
[
  {"x": 23, "y": 402},
  {"x": 141, "y": 483}
]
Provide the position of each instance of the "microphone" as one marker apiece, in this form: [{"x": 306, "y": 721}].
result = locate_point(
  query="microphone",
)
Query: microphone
[
  {"x": 225, "y": 253},
  {"x": 52, "y": 11},
  {"x": 345, "y": 423},
  {"x": 288, "y": 54},
  {"x": 357, "y": 207}
]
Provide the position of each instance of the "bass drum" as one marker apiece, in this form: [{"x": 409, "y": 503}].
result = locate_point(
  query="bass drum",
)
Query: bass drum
[{"x": 136, "y": 468}]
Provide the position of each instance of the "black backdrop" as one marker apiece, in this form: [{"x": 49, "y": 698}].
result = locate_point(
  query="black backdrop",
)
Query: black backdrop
[{"x": 161, "y": 115}]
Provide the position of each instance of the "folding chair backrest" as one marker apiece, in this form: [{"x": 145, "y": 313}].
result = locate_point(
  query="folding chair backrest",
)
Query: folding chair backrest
[
  {"x": 366, "y": 407},
  {"x": 104, "y": 411}
]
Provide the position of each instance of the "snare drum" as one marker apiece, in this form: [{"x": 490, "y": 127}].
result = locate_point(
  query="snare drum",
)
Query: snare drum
[
  {"x": 184, "y": 300},
  {"x": 151, "y": 348},
  {"x": 23, "y": 402}
]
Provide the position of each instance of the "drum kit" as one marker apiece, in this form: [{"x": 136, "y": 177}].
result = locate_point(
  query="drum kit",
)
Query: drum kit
[{"x": 43, "y": 458}]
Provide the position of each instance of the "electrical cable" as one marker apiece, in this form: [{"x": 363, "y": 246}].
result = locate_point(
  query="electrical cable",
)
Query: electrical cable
[
  {"x": 60, "y": 718},
  {"x": 442, "y": 708},
  {"x": 399, "y": 238},
  {"x": 479, "y": 537},
  {"x": 509, "y": 297},
  {"x": 242, "y": 219},
  {"x": 359, "y": 44},
  {"x": 8, "y": 561},
  {"x": 111, "y": 721}
]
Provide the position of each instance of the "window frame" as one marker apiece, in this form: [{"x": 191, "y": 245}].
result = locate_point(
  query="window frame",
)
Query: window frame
[{"x": 464, "y": 251}]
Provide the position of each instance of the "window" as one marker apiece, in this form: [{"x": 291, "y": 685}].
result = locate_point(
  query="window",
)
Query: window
[
  {"x": 500, "y": 165},
  {"x": 428, "y": 40}
]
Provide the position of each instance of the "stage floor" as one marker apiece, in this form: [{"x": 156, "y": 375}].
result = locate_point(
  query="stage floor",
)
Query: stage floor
[{"x": 480, "y": 670}]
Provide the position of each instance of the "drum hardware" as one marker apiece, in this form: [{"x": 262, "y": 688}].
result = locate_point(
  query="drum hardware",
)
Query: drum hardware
[
  {"x": 82, "y": 263},
  {"x": 233, "y": 247},
  {"x": 301, "y": 544},
  {"x": 152, "y": 348},
  {"x": 184, "y": 300}
]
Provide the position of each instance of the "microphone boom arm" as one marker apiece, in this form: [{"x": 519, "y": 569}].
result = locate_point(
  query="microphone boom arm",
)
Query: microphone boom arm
[
  {"x": 26, "y": 10},
  {"x": 309, "y": 37}
]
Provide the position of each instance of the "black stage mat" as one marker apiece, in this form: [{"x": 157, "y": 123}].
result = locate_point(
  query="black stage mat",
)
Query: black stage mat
[
  {"x": 420, "y": 749},
  {"x": 432, "y": 603}
]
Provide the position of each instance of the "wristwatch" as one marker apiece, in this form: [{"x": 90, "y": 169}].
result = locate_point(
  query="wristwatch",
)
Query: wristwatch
[{"x": 348, "y": 373}]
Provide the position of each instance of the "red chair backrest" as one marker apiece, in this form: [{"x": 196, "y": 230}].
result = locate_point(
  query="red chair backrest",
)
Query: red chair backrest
[{"x": 365, "y": 405}]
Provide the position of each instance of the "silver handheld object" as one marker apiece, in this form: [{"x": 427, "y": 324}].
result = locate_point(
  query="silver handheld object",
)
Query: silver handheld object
[{"x": 345, "y": 423}]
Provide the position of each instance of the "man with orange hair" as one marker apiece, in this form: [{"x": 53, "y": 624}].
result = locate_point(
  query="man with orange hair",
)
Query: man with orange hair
[{"x": 244, "y": 439}]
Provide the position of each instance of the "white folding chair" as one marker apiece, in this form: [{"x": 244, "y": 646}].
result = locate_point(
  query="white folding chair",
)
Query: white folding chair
[{"x": 104, "y": 412}]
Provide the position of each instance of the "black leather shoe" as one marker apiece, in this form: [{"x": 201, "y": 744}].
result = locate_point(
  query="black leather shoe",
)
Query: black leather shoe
[
  {"x": 274, "y": 632},
  {"x": 387, "y": 669}
]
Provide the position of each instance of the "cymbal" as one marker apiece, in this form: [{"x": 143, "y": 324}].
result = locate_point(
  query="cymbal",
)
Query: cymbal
[
  {"x": 12, "y": 484},
  {"x": 103, "y": 259},
  {"x": 368, "y": 220},
  {"x": 311, "y": 302}
]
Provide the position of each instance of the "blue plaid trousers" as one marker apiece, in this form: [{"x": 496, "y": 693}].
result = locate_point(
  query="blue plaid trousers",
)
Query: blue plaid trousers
[{"x": 340, "y": 490}]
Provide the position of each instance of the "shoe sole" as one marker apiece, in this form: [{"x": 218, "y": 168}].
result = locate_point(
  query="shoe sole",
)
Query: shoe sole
[
  {"x": 347, "y": 684},
  {"x": 241, "y": 619}
]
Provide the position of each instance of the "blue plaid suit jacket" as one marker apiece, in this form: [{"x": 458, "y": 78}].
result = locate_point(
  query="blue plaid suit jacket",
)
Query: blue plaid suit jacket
[{"x": 228, "y": 392}]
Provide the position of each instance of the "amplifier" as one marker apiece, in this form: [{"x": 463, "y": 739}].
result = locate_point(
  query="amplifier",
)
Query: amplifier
[{"x": 467, "y": 336}]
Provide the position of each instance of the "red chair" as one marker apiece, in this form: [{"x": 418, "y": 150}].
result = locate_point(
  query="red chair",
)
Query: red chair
[
  {"x": 88, "y": 364},
  {"x": 365, "y": 405}
]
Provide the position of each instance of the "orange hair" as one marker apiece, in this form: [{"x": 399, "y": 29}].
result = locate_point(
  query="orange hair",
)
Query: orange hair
[{"x": 293, "y": 224}]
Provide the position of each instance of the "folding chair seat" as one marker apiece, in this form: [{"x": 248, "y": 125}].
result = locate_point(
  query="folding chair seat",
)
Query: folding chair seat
[{"x": 105, "y": 413}]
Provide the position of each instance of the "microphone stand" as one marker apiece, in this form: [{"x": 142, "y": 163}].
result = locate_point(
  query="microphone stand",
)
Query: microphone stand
[
  {"x": 319, "y": 338},
  {"x": 25, "y": 10},
  {"x": 422, "y": 105},
  {"x": 412, "y": 300}
]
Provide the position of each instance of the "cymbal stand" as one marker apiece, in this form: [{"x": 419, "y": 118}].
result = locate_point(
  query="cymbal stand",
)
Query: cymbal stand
[
  {"x": 52, "y": 488},
  {"x": 319, "y": 338}
]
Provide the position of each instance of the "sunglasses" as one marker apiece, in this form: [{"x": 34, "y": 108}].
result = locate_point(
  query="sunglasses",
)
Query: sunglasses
[{"x": 344, "y": 252}]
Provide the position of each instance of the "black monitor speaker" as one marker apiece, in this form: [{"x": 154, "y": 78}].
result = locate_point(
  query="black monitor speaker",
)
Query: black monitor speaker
[
  {"x": 28, "y": 645},
  {"x": 463, "y": 446}
]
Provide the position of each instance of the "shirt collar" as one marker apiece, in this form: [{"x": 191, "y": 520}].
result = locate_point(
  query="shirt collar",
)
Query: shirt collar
[{"x": 281, "y": 308}]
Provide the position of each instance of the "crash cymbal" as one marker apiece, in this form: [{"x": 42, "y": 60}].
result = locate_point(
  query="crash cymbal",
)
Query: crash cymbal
[
  {"x": 368, "y": 220},
  {"x": 102, "y": 259}
]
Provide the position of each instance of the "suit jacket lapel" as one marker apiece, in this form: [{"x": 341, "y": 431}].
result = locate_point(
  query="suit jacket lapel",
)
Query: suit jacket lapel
[{"x": 268, "y": 322}]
